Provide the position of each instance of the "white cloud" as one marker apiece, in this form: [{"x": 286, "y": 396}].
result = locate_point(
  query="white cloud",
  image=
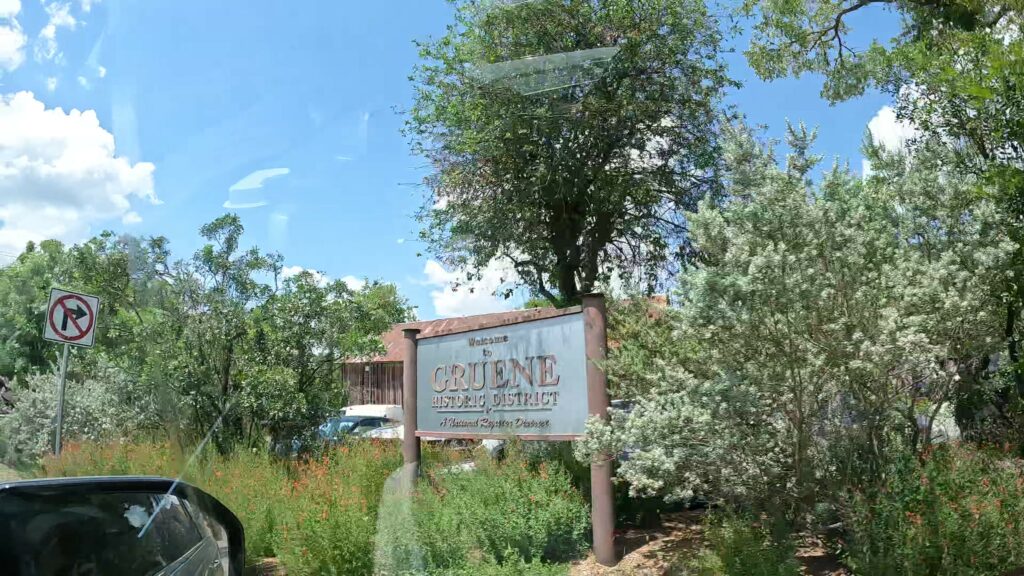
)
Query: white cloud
[
  {"x": 59, "y": 17},
  {"x": 60, "y": 175},
  {"x": 131, "y": 218},
  {"x": 344, "y": 158},
  {"x": 256, "y": 178},
  {"x": 353, "y": 283},
  {"x": 319, "y": 277},
  {"x": 51, "y": 83},
  {"x": 87, "y": 5},
  {"x": 84, "y": 82},
  {"x": 12, "y": 44},
  {"x": 400, "y": 241},
  {"x": 101, "y": 71},
  {"x": 289, "y": 271},
  {"x": 9, "y": 8},
  {"x": 322, "y": 279},
  {"x": 889, "y": 132},
  {"x": 475, "y": 297}
]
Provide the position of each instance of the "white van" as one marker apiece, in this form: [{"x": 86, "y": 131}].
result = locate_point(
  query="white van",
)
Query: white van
[{"x": 388, "y": 411}]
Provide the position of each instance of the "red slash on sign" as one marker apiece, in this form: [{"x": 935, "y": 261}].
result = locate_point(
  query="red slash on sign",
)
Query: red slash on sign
[{"x": 76, "y": 331}]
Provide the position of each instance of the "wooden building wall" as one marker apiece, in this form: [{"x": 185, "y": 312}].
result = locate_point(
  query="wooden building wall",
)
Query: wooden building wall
[{"x": 373, "y": 382}]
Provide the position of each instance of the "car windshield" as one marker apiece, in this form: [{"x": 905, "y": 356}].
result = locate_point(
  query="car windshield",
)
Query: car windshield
[
  {"x": 450, "y": 287},
  {"x": 337, "y": 426}
]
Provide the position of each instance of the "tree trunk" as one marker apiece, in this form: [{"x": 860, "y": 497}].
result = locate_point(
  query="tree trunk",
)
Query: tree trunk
[
  {"x": 568, "y": 291},
  {"x": 225, "y": 377},
  {"x": 1013, "y": 344}
]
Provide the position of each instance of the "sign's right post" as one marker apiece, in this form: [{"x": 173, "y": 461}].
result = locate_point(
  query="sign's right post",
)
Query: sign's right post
[{"x": 595, "y": 332}]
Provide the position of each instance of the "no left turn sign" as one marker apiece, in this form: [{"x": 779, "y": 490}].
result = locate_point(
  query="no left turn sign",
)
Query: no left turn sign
[{"x": 71, "y": 318}]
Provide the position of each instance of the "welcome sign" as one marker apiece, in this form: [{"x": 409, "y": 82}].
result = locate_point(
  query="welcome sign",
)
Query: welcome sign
[{"x": 527, "y": 380}]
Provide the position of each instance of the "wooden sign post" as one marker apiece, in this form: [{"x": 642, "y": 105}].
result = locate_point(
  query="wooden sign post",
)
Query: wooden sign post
[
  {"x": 536, "y": 380},
  {"x": 602, "y": 512},
  {"x": 410, "y": 441}
]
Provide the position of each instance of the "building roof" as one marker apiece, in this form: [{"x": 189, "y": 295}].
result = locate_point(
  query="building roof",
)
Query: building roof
[{"x": 392, "y": 339}]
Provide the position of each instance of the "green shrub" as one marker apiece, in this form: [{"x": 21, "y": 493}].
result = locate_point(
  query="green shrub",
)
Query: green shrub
[
  {"x": 740, "y": 546},
  {"x": 501, "y": 513},
  {"x": 959, "y": 511}
]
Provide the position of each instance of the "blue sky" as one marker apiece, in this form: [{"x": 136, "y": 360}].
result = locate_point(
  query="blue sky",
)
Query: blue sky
[{"x": 286, "y": 112}]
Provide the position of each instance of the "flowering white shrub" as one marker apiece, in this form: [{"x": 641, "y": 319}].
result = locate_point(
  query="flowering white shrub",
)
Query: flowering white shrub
[
  {"x": 692, "y": 437},
  {"x": 819, "y": 316},
  {"x": 100, "y": 408}
]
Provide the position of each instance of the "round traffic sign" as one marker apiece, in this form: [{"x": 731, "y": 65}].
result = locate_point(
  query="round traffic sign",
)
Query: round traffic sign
[{"x": 71, "y": 329}]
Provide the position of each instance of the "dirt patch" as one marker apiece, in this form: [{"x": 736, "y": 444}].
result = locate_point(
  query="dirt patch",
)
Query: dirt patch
[
  {"x": 265, "y": 567},
  {"x": 816, "y": 560},
  {"x": 665, "y": 551},
  {"x": 651, "y": 552}
]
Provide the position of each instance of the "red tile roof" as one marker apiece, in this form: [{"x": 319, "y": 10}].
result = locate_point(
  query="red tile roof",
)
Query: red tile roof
[{"x": 393, "y": 338}]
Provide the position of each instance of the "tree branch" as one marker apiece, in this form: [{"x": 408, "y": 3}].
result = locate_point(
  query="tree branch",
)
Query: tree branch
[
  {"x": 536, "y": 271},
  {"x": 821, "y": 36}
]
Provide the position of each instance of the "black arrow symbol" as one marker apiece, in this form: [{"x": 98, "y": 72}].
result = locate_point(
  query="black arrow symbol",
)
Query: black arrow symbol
[{"x": 78, "y": 313}]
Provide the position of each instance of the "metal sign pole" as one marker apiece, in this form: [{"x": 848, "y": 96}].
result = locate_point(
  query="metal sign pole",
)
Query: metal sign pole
[
  {"x": 60, "y": 400},
  {"x": 601, "y": 498}
]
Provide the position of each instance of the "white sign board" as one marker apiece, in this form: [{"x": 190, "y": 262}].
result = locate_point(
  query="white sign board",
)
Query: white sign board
[
  {"x": 71, "y": 318},
  {"x": 527, "y": 380}
]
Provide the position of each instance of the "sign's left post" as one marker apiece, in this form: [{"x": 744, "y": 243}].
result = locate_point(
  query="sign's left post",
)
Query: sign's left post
[
  {"x": 410, "y": 422},
  {"x": 70, "y": 320}
]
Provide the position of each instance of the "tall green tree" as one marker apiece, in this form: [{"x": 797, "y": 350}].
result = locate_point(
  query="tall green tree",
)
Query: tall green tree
[
  {"x": 24, "y": 291},
  {"x": 123, "y": 271},
  {"x": 956, "y": 72},
  {"x": 203, "y": 324},
  {"x": 296, "y": 340},
  {"x": 567, "y": 136}
]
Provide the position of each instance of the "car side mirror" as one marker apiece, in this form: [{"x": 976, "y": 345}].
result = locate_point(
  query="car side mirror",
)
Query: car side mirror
[{"x": 116, "y": 526}]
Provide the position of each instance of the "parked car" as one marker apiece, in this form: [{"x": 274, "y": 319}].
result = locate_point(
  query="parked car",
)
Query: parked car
[
  {"x": 337, "y": 428},
  {"x": 116, "y": 525},
  {"x": 354, "y": 421},
  {"x": 396, "y": 431}
]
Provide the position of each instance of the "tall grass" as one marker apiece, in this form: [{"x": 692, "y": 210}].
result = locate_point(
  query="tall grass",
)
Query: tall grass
[
  {"x": 959, "y": 510},
  {"x": 320, "y": 516},
  {"x": 317, "y": 517}
]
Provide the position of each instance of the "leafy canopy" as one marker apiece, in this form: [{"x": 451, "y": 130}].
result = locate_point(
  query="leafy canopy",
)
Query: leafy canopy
[{"x": 567, "y": 136}]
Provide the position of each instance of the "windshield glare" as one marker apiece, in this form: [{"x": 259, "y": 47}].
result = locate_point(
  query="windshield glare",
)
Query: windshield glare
[{"x": 453, "y": 287}]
